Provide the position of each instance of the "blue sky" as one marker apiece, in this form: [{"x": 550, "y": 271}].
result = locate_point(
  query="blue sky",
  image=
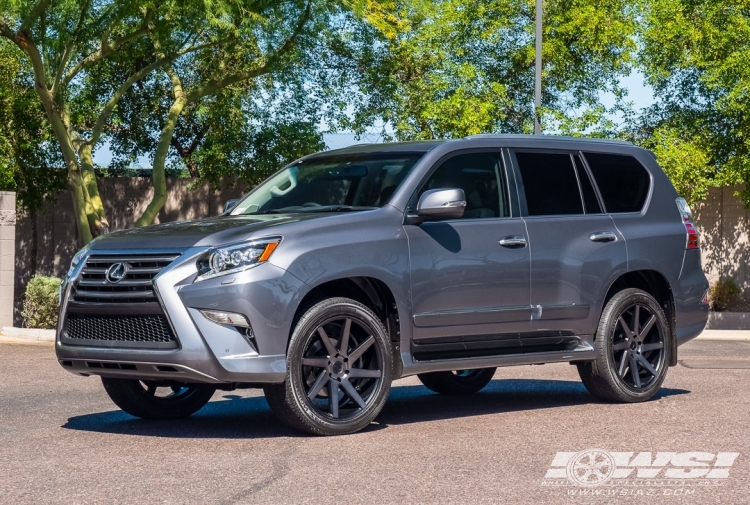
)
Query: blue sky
[{"x": 638, "y": 93}]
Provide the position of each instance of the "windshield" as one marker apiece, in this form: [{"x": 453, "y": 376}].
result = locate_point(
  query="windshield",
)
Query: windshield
[{"x": 331, "y": 183}]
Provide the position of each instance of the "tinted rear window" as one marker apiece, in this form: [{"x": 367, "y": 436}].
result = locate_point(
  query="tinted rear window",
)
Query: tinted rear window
[
  {"x": 622, "y": 180},
  {"x": 550, "y": 184}
]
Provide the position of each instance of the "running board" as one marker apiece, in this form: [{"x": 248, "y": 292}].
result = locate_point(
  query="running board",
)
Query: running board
[
  {"x": 584, "y": 352},
  {"x": 475, "y": 346}
]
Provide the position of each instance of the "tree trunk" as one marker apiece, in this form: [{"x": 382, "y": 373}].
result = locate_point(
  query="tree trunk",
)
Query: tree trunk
[
  {"x": 158, "y": 175},
  {"x": 95, "y": 211}
]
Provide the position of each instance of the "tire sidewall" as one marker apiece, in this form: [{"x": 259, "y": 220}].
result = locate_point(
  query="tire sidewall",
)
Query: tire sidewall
[
  {"x": 605, "y": 335},
  {"x": 317, "y": 315}
]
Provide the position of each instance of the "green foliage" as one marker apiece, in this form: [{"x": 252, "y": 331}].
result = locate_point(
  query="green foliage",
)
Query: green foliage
[
  {"x": 695, "y": 55},
  {"x": 41, "y": 303},
  {"x": 460, "y": 67},
  {"x": 29, "y": 163},
  {"x": 723, "y": 294}
]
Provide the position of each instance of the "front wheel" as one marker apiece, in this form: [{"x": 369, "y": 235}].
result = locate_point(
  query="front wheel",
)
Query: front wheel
[
  {"x": 338, "y": 370},
  {"x": 633, "y": 351},
  {"x": 459, "y": 382},
  {"x": 156, "y": 400}
]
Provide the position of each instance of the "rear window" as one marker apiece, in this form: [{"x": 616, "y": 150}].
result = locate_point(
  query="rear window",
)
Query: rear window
[
  {"x": 623, "y": 182},
  {"x": 550, "y": 184}
]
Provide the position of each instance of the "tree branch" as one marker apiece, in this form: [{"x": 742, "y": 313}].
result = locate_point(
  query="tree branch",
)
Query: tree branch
[
  {"x": 137, "y": 76},
  {"x": 69, "y": 49},
  {"x": 107, "y": 48},
  {"x": 216, "y": 84},
  {"x": 37, "y": 11}
]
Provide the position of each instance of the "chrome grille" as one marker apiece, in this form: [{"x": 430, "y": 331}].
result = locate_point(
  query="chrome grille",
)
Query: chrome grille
[{"x": 136, "y": 285}]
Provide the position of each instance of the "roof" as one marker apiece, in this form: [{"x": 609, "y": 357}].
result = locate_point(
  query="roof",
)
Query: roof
[{"x": 423, "y": 146}]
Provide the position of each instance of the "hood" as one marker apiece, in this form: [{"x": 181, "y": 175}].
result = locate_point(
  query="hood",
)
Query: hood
[{"x": 203, "y": 232}]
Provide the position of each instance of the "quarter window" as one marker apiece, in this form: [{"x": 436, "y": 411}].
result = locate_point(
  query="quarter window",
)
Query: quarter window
[
  {"x": 622, "y": 181},
  {"x": 550, "y": 184}
]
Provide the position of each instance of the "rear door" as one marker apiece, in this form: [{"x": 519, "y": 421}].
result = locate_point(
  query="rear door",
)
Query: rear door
[{"x": 575, "y": 247}]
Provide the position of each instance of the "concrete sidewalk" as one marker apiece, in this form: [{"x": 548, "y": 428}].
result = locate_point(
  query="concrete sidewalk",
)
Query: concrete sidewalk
[{"x": 36, "y": 336}]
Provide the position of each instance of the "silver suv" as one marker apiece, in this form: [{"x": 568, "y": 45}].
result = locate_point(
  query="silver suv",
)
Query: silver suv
[{"x": 351, "y": 268}]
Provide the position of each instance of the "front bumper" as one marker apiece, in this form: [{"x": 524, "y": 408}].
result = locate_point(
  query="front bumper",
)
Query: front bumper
[{"x": 207, "y": 352}]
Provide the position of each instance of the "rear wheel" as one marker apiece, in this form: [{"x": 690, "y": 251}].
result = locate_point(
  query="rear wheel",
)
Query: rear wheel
[
  {"x": 632, "y": 344},
  {"x": 458, "y": 382},
  {"x": 338, "y": 370},
  {"x": 157, "y": 400}
]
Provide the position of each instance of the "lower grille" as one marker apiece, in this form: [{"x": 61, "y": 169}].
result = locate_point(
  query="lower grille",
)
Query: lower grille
[{"x": 144, "y": 331}]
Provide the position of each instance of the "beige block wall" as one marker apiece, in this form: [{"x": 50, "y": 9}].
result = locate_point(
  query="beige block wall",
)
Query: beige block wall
[
  {"x": 124, "y": 200},
  {"x": 724, "y": 226},
  {"x": 7, "y": 256}
]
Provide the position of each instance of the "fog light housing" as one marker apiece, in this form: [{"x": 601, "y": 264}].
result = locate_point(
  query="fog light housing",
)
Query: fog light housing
[{"x": 226, "y": 318}]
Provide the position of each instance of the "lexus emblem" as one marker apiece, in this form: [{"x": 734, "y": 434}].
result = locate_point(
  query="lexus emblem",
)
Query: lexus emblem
[{"x": 117, "y": 272}]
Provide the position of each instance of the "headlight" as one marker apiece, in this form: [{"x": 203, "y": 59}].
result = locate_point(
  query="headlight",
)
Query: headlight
[{"x": 235, "y": 258}]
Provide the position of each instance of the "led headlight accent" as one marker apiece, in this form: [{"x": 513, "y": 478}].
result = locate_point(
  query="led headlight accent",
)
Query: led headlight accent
[{"x": 235, "y": 258}]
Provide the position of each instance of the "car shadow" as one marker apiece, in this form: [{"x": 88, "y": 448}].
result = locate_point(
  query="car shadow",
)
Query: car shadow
[{"x": 235, "y": 416}]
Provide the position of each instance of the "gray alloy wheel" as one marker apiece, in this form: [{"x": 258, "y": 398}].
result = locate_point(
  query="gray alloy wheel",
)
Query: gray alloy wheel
[
  {"x": 338, "y": 370},
  {"x": 633, "y": 349},
  {"x": 457, "y": 382},
  {"x": 155, "y": 400}
]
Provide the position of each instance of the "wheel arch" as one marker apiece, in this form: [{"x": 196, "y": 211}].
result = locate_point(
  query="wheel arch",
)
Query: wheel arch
[
  {"x": 656, "y": 284},
  {"x": 369, "y": 291}
]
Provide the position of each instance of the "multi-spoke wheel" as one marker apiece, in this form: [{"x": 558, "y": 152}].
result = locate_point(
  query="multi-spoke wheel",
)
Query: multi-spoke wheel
[
  {"x": 338, "y": 370},
  {"x": 632, "y": 344},
  {"x": 458, "y": 382},
  {"x": 157, "y": 400}
]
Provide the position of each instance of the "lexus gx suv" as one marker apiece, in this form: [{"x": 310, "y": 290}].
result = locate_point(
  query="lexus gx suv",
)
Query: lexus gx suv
[{"x": 350, "y": 268}]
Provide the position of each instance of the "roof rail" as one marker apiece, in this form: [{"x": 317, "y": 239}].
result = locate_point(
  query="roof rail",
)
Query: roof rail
[{"x": 500, "y": 136}]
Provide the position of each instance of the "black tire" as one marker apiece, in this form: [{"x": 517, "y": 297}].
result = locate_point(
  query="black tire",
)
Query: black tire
[
  {"x": 304, "y": 401},
  {"x": 459, "y": 382},
  {"x": 622, "y": 347},
  {"x": 140, "y": 398}
]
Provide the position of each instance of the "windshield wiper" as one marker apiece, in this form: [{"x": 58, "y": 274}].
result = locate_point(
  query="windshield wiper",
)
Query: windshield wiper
[{"x": 322, "y": 208}]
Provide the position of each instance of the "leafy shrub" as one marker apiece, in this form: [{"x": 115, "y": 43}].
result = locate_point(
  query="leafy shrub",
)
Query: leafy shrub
[
  {"x": 723, "y": 294},
  {"x": 41, "y": 304}
]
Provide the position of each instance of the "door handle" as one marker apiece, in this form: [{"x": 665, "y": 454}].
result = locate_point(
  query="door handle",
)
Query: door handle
[
  {"x": 513, "y": 242},
  {"x": 603, "y": 236}
]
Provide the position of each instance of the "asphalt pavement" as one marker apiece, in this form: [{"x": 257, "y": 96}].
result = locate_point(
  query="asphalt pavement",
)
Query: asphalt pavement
[{"x": 63, "y": 441}]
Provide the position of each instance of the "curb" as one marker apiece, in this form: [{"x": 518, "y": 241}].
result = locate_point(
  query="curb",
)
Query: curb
[
  {"x": 738, "y": 335},
  {"x": 27, "y": 335}
]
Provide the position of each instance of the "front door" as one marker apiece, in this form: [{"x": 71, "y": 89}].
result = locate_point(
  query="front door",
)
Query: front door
[
  {"x": 575, "y": 248},
  {"x": 470, "y": 276}
]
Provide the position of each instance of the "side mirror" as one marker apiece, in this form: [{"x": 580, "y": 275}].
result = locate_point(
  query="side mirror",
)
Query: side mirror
[
  {"x": 439, "y": 204},
  {"x": 230, "y": 204}
]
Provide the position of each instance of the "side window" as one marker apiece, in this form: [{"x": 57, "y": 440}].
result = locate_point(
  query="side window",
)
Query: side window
[
  {"x": 482, "y": 180},
  {"x": 550, "y": 184},
  {"x": 622, "y": 181},
  {"x": 587, "y": 189}
]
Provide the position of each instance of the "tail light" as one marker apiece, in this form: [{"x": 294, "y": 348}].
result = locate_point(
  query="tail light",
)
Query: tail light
[{"x": 687, "y": 221}]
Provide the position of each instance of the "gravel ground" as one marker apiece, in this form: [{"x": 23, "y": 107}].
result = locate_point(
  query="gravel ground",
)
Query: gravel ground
[{"x": 63, "y": 441}]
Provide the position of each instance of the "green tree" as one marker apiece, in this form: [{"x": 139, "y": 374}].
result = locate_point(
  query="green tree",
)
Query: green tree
[
  {"x": 695, "y": 55},
  {"x": 30, "y": 164},
  {"x": 202, "y": 47},
  {"x": 461, "y": 67}
]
